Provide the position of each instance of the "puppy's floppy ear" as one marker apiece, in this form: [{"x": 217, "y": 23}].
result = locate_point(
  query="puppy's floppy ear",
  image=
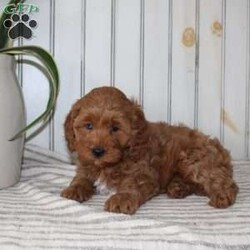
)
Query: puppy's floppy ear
[
  {"x": 68, "y": 126},
  {"x": 139, "y": 140},
  {"x": 138, "y": 118}
]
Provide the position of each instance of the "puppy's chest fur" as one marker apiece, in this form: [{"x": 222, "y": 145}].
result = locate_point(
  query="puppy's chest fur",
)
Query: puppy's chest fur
[
  {"x": 107, "y": 181},
  {"x": 102, "y": 188}
]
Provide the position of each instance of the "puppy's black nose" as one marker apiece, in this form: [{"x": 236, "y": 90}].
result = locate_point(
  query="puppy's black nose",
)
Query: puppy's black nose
[{"x": 98, "y": 151}]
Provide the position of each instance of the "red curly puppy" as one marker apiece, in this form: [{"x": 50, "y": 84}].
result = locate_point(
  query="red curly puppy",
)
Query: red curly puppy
[{"x": 119, "y": 152}]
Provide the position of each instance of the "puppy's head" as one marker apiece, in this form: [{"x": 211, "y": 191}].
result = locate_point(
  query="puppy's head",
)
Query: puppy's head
[{"x": 103, "y": 125}]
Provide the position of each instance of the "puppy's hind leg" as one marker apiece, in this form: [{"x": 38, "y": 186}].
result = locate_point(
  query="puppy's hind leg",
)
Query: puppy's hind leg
[
  {"x": 216, "y": 181},
  {"x": 178, "y": 189},
  {"x": 222, "y": 191}
]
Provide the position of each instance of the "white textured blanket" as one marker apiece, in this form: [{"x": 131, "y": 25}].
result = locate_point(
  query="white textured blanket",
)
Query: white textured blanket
[{"x": 34, "y": 216}]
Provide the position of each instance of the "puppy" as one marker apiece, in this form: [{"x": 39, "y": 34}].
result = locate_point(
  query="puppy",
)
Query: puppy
[{"x": 119, "y": 152}]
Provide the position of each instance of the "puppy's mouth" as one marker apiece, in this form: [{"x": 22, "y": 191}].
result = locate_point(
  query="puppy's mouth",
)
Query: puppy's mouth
[
  {"x": 100, "y": 163},
  {"x": 103, "y": 163}
]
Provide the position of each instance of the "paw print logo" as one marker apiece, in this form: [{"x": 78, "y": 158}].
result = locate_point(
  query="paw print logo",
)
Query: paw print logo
[{"x": 20, "y": 26}]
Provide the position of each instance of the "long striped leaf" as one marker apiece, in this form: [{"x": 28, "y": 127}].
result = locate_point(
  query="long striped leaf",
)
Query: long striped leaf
[{"x": 52, "y": 72}]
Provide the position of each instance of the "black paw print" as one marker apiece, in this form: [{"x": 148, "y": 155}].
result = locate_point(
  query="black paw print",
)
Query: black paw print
[{"x": 20, "y": 26}]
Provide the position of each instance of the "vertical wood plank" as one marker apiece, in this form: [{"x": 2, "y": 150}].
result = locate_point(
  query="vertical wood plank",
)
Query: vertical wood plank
[
  {"x": 52, "y": 52},
  {"x": 98, "y": 39},
  {"x": 247, "y": 108},
  {"x": 127, "y": 53},
  {"x": 68, "y": 55},
  {"x": 236, "y": 76},
  {"x": 183, "y": 68},
  {"x": 113, "y": 42},
  {"x": 156, "y": 59},
  {"x": 35, "y": 83},
  {"x": 210, "y": 66},
  {"x": 142, "y": 53}
]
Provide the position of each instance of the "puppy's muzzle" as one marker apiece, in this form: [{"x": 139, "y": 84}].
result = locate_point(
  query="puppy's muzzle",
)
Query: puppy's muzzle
[{"x": 98, "y": 151}]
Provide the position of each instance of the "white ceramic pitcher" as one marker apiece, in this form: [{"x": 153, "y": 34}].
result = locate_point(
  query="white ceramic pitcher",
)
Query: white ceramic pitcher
[{"x": 12, "y": 119}]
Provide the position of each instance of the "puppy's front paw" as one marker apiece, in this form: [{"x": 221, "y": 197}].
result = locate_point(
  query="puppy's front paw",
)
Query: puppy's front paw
[
  {"x": 78, "y": 193},
  {"x": 122, "y": 203}
]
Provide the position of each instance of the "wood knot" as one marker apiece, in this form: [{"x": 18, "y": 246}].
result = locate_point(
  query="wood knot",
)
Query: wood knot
[
  {"x": 188, "y": 37},
  {"x": 217, "y": 28}
]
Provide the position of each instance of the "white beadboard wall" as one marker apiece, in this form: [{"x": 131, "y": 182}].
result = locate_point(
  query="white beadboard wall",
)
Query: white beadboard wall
[{"x": 185, "y": 60}]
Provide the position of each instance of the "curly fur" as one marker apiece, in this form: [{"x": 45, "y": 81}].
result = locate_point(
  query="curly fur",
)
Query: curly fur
[{"x": 141, "y": 159}]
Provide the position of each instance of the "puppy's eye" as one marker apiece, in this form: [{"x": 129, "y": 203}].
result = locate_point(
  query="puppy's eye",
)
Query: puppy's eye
[
  {"x": 88, "y": 126},
  {"x": 114, "y": 128}
]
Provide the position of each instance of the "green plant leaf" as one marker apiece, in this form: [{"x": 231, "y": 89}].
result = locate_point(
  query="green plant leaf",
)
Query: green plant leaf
[{"x": 52, "y": 72}]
